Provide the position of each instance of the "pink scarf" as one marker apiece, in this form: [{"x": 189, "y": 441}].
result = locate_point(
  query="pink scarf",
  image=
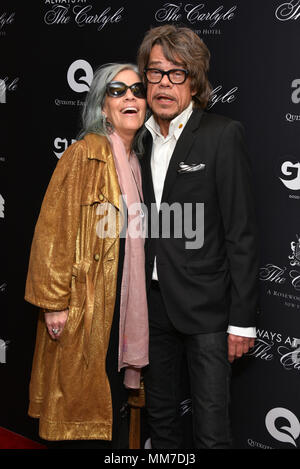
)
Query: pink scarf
[{"x": 133, "y": 330}]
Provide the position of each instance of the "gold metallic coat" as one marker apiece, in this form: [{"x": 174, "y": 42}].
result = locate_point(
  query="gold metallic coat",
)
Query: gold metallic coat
[{"x": 72, "y": 266}]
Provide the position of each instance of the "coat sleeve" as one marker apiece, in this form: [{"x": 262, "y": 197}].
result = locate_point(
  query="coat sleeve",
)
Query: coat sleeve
[
  {"x": 235, "y": 193},
  {"x": 53, "y": 245}
]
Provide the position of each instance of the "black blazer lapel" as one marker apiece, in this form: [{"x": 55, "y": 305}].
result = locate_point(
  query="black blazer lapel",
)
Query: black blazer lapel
[
  {"x": 148, "y": 189},
  {"x": 181, "y": 151}
]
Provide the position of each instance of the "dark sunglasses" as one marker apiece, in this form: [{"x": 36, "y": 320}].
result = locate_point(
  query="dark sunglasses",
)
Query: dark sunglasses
[{"x": 116, "y": 89}]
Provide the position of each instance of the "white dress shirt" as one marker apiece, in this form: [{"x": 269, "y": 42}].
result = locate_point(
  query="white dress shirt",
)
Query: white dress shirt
[{"x": 162, "y": 150}]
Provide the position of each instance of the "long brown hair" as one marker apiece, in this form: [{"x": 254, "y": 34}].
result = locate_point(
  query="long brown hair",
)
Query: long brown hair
[{"x": 180, "y": 43}]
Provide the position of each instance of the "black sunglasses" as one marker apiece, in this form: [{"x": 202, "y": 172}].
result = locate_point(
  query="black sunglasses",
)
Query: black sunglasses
[{"x": 116, "y": 89}]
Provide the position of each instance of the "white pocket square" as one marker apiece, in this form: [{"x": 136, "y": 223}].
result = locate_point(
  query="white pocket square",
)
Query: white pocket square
[{"x": 189, "y": 168}]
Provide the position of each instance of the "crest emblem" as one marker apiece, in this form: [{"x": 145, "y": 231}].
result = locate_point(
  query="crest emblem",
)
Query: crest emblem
[{"x": 295, "y": 256}]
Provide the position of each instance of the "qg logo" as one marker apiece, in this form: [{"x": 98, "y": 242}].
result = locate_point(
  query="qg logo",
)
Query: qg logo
[
  {"x": 80, "y": 75},
  {"x": 291, "y": 171},
  {"x": 285, "y": 433},
  {"x": 62, "y": 144}
]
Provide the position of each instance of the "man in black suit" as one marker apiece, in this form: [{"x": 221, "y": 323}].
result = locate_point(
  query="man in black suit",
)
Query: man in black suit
[{"x": 201, "y": 268}]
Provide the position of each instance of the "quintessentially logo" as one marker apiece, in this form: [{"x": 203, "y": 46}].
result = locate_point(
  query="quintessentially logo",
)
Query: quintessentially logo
[
  {"x": 288, "y": 11},
  {"x": 80, "y": 75},
  {"x": 291, "y": 171},
  {"x": 287, "y": 433},
  {"x": 62, "y": 144}
]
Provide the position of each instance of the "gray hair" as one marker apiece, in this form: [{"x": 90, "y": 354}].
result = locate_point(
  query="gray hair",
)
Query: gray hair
[{"x": 93, "y": 119}]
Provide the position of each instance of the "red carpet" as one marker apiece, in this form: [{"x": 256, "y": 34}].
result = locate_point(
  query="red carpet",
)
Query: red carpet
[{"x": 11, "y": 440}]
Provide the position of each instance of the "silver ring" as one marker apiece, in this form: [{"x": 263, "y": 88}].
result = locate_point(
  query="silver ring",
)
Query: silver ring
[{"x": 55, "y": 331}]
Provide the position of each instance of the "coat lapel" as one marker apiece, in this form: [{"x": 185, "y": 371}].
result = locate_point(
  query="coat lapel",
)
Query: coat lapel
[
  {"x": 181, "y": 151},
  {"x": 148, "y": 189},
  {"x": 108, "y": 179},
  {"x": 106, "y": 191}
]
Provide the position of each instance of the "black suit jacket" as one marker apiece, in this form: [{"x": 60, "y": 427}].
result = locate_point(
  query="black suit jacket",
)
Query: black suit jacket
[{"x": 206, "y": 288}]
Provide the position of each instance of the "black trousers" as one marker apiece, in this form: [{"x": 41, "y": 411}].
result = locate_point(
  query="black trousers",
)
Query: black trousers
[{"x": 209, "y": 374}]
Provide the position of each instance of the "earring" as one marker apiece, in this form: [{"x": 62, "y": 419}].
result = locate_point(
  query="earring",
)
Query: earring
[{"x": 109, "y": 127}]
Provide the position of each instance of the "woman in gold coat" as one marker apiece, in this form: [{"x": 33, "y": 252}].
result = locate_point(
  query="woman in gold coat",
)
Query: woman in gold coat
[{"x": 86, "y": 273}]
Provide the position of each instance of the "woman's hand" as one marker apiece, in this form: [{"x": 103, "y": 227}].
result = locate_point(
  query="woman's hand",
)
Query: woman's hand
[{"x": 55, "y": 322}]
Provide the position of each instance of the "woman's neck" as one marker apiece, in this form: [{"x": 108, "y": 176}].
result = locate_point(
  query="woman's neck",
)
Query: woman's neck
[{"x": 127, "y": 140}]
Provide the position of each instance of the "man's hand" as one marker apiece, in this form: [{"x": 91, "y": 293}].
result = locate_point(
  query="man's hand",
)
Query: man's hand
[{"x": 238, "y": 345}]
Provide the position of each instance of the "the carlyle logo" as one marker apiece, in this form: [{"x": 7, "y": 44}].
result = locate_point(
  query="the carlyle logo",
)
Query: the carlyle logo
[
  {"x": 270, "y": 346},
  {"x": 62, "y": 144},
  {"x": 218, "y": 95},
  {"x": 283, "y": 425},
  {"x": 7, "y": 84},
  {"x": 288, "y": 11},
  {"x": 63, "y": 12},
  {"x": 274, "y": 274},
  {"x": 1, "y": 207},
  {"x": 6, "y": 19},
  {"x": 194, "y": 14},
  {"x": 283, "y": 282}
]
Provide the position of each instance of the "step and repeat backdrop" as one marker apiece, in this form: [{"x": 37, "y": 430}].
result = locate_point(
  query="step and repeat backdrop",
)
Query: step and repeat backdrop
[{"x": 49, "y": 51}]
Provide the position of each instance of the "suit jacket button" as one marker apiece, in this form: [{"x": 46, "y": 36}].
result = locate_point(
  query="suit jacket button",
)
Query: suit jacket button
[{"x": 96, "y": 257}]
